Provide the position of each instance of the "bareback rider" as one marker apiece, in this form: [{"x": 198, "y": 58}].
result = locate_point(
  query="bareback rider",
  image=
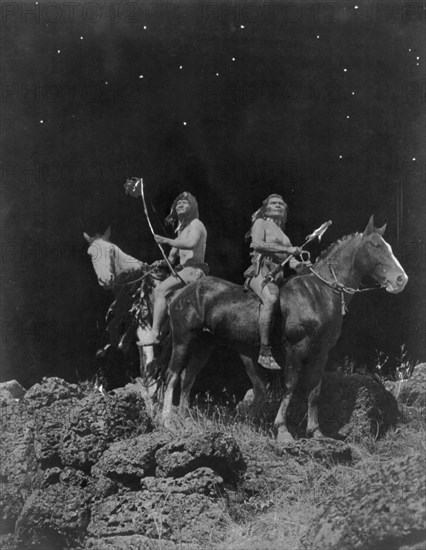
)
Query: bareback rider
[
  {"x": 190, "y": 246},
  {"x": 270, "y": 246}
]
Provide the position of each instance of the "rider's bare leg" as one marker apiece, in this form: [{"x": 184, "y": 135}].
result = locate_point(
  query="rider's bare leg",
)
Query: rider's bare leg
[
  {"x": 269, "y": 296},
  {"x": 160, "y": 296}
]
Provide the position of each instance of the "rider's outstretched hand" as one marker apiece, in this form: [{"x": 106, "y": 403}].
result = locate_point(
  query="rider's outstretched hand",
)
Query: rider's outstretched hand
[
  {"x": 294, "y": 250},
  {"x": 301, "y": 266}
]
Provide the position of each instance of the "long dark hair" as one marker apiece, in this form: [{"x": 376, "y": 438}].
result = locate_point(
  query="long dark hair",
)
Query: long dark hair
[
  {"x": 261, "y": 213},
  {"x": 172, "y": 219}
]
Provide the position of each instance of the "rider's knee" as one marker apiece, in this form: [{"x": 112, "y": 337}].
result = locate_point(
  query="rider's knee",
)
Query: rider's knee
[{"x": 270, "y": 300}]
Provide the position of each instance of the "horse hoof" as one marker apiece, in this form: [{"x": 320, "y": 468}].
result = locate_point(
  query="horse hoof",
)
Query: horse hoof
[
  {"x": 285, "y": 437},
  {"x": 316, "y": 434},
  {"x": 268, "y": 362},
  {"x": 170, "y": 425}
]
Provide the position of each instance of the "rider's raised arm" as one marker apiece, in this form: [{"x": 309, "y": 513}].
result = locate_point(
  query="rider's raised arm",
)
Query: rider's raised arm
[
  {"x": 258, "y": 243},
  {"x": 190, "y": 239}
]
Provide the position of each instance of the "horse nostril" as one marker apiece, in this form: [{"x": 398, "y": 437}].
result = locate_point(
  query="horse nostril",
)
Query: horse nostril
[{"x": 400, "y": 279}]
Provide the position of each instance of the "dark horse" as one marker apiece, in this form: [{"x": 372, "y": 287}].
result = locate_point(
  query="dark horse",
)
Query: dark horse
[{"x": 308, "y": 322}]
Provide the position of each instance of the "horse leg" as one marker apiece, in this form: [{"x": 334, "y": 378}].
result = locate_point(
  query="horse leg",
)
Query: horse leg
[
  {"x": 313, "y": 429},
  {"x": 255, "y": 372},
  {"x": 200, "y": 353},
  {"x": 180, "y": 354},
  {"x": 292, "y": 372},
  {"x": 146, "y": 353}
]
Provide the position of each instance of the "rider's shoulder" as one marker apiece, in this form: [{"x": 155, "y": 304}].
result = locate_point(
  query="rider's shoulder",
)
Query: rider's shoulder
[
  {"x": 260, "y": 222},
  {"x": 198, "y": 224}
]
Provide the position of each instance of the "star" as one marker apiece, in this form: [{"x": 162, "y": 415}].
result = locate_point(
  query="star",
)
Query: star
[
  {"x": 340, "y": 156},
  {"x": 141, "y": 76},
  {"x": 81, "y": 38},
  {"x": 355, "y": 7},
  {"x": 233, "y": 59},
  {"x": 180, "y": 67},
  {"x": 347, "y": 116},
  {"x": 353, "y": 93},
  {"x": 41, "y": 121},
  {"x": 318, "y": 35},
  {"x": 242, "y": 27},
  {"x": 184, "y": 123},
  {"x": 345, "y": 70},
  {"x": 106, "y": 82},
  {"x": 144, "y": 27},
  {"x": 59, "y": 51},
  {"x": 414, "y": 158},
  {"x": 217, "y": 74}
]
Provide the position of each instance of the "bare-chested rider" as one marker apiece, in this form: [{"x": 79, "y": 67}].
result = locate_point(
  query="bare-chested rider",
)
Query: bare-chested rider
[
  {"x": 270, "y": 246},
  {"x": 190, "y": 247}
]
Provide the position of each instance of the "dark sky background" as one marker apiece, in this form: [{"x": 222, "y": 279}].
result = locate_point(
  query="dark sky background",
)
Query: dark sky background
[{"x": 322, "y": 102}]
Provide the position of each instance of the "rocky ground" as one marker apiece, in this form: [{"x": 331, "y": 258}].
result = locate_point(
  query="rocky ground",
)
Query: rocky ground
[{"x": 85, "y": 470}]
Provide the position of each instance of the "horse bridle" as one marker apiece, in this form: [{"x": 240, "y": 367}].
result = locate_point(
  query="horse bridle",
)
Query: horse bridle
[
  {"x": 114, "y": 273},
  {"x": 340, "y": 288}
]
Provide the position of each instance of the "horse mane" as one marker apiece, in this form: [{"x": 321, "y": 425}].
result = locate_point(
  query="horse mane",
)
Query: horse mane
[{"x": 333, "y": 246}]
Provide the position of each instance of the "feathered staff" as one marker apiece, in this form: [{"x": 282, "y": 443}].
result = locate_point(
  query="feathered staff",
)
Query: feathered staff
[{"x": 135, "y": 188}]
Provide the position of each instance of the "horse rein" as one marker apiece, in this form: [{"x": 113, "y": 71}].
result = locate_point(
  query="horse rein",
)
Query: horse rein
[
  {"x": 114, "y": 274},
  {"x": 138, "y": 279},
  {"x": 340, "y": 288}
]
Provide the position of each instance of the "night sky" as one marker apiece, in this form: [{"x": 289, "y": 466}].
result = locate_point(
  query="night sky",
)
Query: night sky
[{"x": 322, "y": 102}]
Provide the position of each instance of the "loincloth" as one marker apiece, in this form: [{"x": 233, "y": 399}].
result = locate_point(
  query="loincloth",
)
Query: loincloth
[
  {"x": 192, "y": 270},
  {"x": 263, "y": 264}
]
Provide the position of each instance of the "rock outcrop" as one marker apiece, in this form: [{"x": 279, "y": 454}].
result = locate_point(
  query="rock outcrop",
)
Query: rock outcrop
[
  {"x": 11, "y": 391},
  {"x": 384, "y": 509},
  {"x": 18, "y": 464},
  {"x": 98, "y": 420},
  {"x": 351, "y": 406},
  {"x": 411, "y": 392}
]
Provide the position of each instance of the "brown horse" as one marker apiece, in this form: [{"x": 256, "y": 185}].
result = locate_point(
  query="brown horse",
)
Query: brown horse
[{"x": 308, "y": 322}]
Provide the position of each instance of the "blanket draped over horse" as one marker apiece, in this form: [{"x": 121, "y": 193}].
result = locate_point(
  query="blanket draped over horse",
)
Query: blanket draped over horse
[{"x": 307, "y": 325}]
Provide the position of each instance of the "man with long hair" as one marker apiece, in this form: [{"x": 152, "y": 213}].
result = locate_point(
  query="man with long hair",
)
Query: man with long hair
[
  {"x": 270, "y": 246},
  {"x": 190, "y": 246}
]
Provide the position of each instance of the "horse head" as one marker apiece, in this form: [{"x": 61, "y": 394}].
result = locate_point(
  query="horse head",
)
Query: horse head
[
  {"x": 377, "y": 259},
  {"x": 101, "y": 252}
]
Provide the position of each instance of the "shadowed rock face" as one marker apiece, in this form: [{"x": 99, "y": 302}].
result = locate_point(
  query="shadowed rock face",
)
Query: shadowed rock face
[
  {"x": 351, "y": 406},
  {"x": 53, "y": 516},
  {"x": 18, "y": 464},
  {"x": 50, "y": 390},
  {"x": 98, "y": 420},
  {"x": 384, "y": 510}
]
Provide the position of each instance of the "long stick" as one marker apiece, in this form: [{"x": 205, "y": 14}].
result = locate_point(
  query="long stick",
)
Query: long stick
[
  {"x": 153, "y": 234},
  {"x": 317, "y": 233}
]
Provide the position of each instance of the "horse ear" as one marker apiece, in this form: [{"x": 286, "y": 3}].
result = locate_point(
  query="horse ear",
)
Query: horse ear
[
  {"x": 107, "y": 234},
  {"x": 370, "y": 226},
  {"x": 381, "y": 230},
  {"x": 87, "y": 237}
]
